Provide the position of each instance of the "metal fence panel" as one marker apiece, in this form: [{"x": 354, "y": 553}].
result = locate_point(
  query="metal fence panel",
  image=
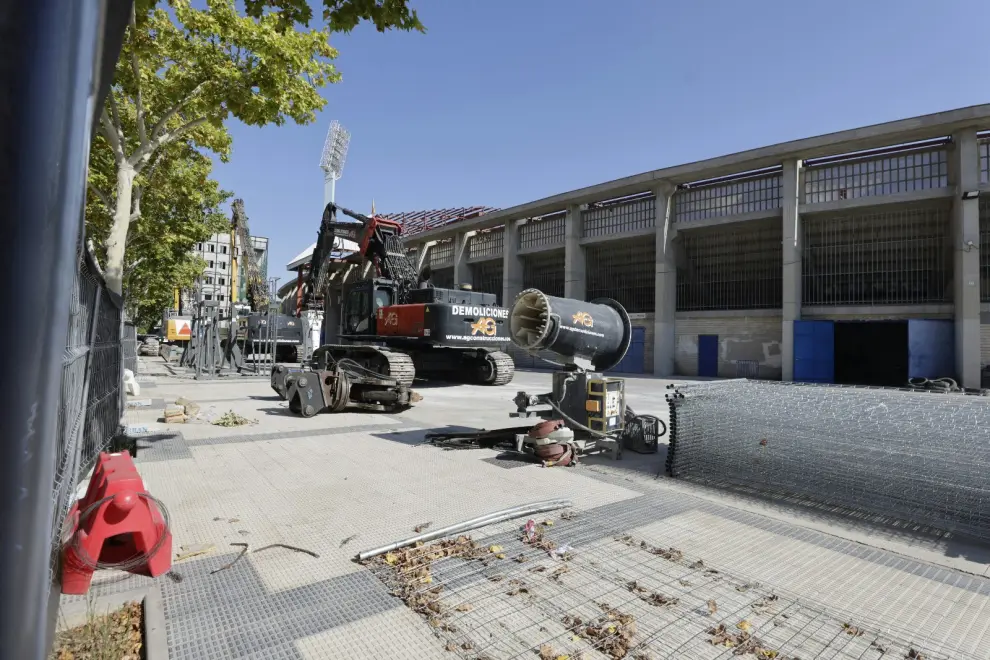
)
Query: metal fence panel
[
  {"x": 861, "y": 176},
  {"x": 129, "y": 345},
  {"x": 92, "y": 399},
  {"x": 895, "y": 455},
  {"x": 543, "y": 232}
]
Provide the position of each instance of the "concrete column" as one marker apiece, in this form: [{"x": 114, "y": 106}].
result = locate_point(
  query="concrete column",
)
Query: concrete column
[
  {"x": 791, "y": 310},
  {"x": 424, "y": 249},
  {"x": 575, "y": 271},
  {"x": 665, "y": 292},
  {"x": 512, "y": 264},
  {"x": 462, "y": 270},
  {"x": 966, "y": 258}
]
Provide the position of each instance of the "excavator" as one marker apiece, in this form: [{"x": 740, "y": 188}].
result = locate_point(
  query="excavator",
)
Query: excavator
[{"x": 394, "y": 326}]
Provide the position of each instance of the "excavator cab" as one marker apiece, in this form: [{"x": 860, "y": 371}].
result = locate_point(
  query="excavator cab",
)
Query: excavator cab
[{"x": 361, "y": 304}]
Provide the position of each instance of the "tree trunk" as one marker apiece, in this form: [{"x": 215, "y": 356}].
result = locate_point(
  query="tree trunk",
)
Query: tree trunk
[{"x": 117, "y": 241}]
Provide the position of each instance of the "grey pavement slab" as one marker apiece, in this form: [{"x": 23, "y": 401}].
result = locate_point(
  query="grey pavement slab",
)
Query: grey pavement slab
[{"x": 337, "y": 484}]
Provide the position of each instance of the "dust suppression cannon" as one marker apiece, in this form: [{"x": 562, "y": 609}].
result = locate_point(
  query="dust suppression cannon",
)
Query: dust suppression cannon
[{"x": 586, "y": 411}]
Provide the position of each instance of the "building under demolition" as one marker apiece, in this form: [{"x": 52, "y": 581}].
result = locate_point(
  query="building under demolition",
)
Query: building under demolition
[{"x": 856, "y": 257}]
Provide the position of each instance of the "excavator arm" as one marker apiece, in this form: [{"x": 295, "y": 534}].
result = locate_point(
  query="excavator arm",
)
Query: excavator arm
[{"x": 378, "y": 241}]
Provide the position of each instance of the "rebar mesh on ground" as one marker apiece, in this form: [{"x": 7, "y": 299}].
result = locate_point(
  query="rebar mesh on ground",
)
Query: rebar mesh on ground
[
  {"x": 615, "y": 595},
  {"x": 901, "y": 456}
]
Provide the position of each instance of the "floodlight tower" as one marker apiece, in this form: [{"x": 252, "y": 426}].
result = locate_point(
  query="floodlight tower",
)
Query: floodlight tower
[{"x": 332, "y": 161}]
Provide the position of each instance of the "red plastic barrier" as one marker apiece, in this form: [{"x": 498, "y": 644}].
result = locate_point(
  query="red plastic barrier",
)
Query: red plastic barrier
[{"x": 116, "y": 521}]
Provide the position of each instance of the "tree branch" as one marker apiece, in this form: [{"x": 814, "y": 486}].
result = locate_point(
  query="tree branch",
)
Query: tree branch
[
  {"x": 116, "y": 120},
  {"x": 110, "y": 133},
  {"x": 138, "y": 103},
  {"x": 174, "y": 110},
  {"x": 145, "y": 151},
  {"x": 102, "y": 196}
]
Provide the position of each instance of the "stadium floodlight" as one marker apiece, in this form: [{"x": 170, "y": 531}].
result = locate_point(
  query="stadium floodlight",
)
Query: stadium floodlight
[{"x": 332, "y": 160}]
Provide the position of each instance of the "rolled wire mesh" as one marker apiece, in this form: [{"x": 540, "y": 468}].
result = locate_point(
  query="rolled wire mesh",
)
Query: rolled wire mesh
[{"x": 900, "y": 456}]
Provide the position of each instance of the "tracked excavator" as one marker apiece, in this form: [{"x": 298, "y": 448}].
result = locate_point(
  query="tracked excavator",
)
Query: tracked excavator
[{"x": 395, "y": 326}]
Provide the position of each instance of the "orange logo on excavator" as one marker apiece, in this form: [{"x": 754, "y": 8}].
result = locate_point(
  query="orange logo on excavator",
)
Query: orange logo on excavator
[
  {"x": 583, "y": 318},
  {"x": 485, "y": 326}
]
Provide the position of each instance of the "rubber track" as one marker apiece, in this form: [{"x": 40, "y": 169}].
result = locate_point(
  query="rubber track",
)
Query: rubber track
[
  {"x": 505, "y": 367},
  {"x": 400, "y": 367}
]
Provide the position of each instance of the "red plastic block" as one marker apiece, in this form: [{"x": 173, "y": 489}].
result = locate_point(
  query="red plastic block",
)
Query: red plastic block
[{"x": 115, "y": 521}]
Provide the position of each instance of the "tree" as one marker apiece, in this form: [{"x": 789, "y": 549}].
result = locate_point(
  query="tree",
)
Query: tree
[
  {"x": 183, "y": 72},
  {"x": 180, "y": 206}
]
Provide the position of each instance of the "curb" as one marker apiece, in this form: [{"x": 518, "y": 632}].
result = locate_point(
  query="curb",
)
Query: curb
[{"x": 153, "y": 616}]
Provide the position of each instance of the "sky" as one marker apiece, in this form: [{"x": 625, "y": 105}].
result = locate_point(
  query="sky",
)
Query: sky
[{"x": 503, "y": 102}]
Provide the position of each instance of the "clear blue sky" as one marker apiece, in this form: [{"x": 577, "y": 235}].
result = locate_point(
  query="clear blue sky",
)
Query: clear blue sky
[{"x": 506, "y": 101}]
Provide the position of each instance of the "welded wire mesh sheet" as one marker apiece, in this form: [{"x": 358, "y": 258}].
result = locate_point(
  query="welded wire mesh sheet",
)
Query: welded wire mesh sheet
[
  {"x": 897, "y": 455},
  {"x": 612, "y": 594}
]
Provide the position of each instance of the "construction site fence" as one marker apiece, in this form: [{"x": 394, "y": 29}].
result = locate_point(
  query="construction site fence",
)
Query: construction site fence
[
  {"x": 886, "y": 455},
  {"x": 129, "y": 346},
  {"x": 91, "y": 405}
]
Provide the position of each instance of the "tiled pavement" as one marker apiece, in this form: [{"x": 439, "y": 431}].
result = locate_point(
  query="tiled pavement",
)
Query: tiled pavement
[{"x": 336, "y": 484}]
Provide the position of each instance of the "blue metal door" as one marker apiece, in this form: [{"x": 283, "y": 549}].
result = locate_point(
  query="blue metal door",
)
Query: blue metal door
[
  {"x": 814, "y": 351},
  {"x": 708, "y": 355},
  {"x": 931, "y": 349},
  {"x": 635, "y": 360}
]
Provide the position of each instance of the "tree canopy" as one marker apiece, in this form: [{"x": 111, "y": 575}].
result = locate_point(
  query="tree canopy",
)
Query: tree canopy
[{"x": 183, "y": 72}]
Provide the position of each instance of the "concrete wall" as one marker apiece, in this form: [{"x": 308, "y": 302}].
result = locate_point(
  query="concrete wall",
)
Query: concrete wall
[{"x": 741, "y": 336}]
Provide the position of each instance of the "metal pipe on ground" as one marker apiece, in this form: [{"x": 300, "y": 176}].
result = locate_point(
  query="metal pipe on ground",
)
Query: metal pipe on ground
[{"x": 467, "y": 525}]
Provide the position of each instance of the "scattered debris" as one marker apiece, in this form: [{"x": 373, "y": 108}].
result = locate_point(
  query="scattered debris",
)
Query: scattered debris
[
  {"x": 534, "y": 535},
  {"x": 175, "y": 576},
  {"x": 233, "y": 520},
  {"x": 190, "y": 551},
  {"x": 652, "y": 597},
  {"x": 670, "y": 554},
  {"x": 243, "y": 532},
  {"x": 556, "y": 575},
  {"x": 190, "y": 408},
  {"x": 914, "y": 655},
  {"x": 852, "y": 630},
  {"x": 546, "y": 652},
  {"x": 419, "y": 529},
  {"x": 287, "y": 547},
  {"x": 743, "y": 588},
  {"x": 411, "y": 568},
  {"x": 521, "y": 559},
  {"x": 244, "y": 549},
  {"x": 611, "y": 633},
  {"x": 464, "y": 607},
  {"x": 174, "y": 415},
  {"x": 742, "y": 643},
  {"x": 712, "y": 607},
  {"x": 230, "y": 418},
  {"x": 765, "y": 604},
  {"x": 878, "y": 646},
  {"x": 537, "y": 569},
  {"x": 518, "y": 587},
  {"x": 118, "y": 635},
  {"x": 348, "y": 540},
  {"x": 568, "y": 515}
]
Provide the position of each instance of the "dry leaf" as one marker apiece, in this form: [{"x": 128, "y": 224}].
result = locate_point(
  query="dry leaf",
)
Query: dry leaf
[
  {"x": 712, "y": 606},
  {"x": 464, "y": 607},
  {"x": 744, "y": 626},
  {"x": 495, "y": 548},
  {"x": 419, "y": 529}
]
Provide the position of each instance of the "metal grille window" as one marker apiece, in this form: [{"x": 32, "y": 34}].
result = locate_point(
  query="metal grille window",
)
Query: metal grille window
[
  {"x": 537, "y": 232},
  {"x": 887, "y": 258},
  {"x": 623, "y": 271},
  {"x": 544, "y": 272},
  {"x": 619, "y": 216},
  {"x": 985, "y": 250},
  {"x": 715, "y": 200},
  {"x": 870, "y": 177},
  {"x": 489, "y": 243},
  {"x": 739, "y": 268},
  {"x": 984, "y": 150},
  {"x": 443, "y": 278},
  {"x": 488, "y": 278},
  {"x": 441, "y": 254}
]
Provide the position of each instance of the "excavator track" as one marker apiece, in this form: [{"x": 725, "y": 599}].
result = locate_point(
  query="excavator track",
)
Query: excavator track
[
  {"x": 382, "y": 361},
  {"x": 504, "y": 368}
]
